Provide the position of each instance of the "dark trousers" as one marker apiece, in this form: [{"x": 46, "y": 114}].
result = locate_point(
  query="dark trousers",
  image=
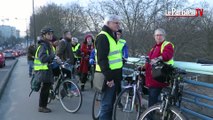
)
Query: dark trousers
[
  {"x": 153, "y": 96},
  {"x": 83, "y": 78},
  {"x": 44, "y": 94}
]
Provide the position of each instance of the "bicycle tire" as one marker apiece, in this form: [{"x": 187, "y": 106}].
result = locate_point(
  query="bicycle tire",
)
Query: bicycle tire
[
  {"x": 68, "y": 90},
  {"x": 137, "y": 108},
  {"x": 96, "y": 101},
  {"x": 157, "y": 107}
]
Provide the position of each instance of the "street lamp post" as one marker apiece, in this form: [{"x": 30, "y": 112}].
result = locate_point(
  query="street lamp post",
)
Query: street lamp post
[{"x": 34, "y": 23}]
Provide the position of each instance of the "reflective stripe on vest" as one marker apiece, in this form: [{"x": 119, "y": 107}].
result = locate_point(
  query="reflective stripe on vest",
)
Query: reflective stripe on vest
[
  {"x": 114, "y": 56},
  {"x": 38, "y": 65},
  {"x": 74, "y": 49},
  {"x": 171, "y": 61}
]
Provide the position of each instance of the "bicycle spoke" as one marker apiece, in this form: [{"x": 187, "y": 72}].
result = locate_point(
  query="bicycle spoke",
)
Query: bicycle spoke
[{"x": 70, "y": 96}]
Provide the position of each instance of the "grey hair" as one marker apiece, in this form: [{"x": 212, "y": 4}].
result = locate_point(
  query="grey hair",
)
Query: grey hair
[
  {"x": 111, "y": 18},
  {"x": 74, "y": 39},
  {"x": 161, "y": 30}
]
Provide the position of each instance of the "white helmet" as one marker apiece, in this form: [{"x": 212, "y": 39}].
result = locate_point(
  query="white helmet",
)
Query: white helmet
[{"x": 74, "y": 39}]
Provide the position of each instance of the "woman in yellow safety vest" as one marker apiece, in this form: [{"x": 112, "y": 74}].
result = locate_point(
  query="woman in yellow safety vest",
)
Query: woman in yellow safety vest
[{"x": 44, "y": 55}]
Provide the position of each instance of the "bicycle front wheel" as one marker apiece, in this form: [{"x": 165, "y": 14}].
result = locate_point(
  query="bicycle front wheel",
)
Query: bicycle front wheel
[
  {"x": 154, "y": 113},
  {"x": 127, "y": 105},
  {"x": 96, "y": 105},
  {"x": 70, "y": 96}
]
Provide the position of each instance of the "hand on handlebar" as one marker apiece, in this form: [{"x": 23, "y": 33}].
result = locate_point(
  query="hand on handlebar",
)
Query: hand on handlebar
[
  {"x": 155, "y": 60},
  {"x": 58, "y": 60}
]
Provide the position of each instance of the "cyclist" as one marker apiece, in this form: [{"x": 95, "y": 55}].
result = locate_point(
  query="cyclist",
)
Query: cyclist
[
  {"x": 76, "y": 49},
  {"x": 86, "y": 48},
  {"x": 162, "y": 50},
  {"x": 123, "y": 44},
  {"x": 64, "y": 50},
  {"x": 30, "y": 58},
  {"x": 109, "y": 62},
  {"x": 44, "y": 55}
]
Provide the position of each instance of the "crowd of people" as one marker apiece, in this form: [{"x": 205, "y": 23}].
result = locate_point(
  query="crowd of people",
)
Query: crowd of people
[{"x": 108, "y": 51}]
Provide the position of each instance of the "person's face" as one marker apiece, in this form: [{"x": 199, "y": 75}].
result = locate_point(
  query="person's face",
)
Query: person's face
[
  {"x": 118, "y": 35},
  {"x": 68, "y": 35},
  {"x": 74, "y": 43},
  {"x": 159, "y": 37},
  {"x": 89, "y": 40},
  {"x": 114, "y": 25},
  {"x": 48, "y": 36}
]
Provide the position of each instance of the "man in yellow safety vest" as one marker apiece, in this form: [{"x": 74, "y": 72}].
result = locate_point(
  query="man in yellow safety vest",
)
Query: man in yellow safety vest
[{"x": 109, "y": 63}]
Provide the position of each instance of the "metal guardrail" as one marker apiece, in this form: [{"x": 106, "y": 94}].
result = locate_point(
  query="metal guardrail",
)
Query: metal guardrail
[
  {"x": 206, "y": 69},
  {"x": 196, "y": 99}
]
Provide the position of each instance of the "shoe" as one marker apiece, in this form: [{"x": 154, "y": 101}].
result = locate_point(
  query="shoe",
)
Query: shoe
[{"x": 44, "y": 110}]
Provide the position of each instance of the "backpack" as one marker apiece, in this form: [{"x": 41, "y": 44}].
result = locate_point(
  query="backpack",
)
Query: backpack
[{"x": 35, "y": 85}]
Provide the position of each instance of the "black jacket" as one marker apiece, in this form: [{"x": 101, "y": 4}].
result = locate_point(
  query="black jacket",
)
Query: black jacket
[
  {"x": 31, "y": 52},
  {"x": 102, "y": 46},
  {"x": 64, "y": 51}
]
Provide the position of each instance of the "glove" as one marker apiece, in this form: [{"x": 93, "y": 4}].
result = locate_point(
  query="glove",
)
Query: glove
[{"x": 91, "y": 62}]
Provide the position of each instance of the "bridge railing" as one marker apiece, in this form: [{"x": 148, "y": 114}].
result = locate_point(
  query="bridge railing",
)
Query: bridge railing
[{"x": 191, "y": 96}]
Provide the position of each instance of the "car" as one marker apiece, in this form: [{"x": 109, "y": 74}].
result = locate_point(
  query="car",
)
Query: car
[
  {"x": 2, "y": 60},
  {"x": 9, "y": 55}
]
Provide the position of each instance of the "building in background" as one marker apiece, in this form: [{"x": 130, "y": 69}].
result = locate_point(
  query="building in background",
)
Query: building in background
[{"x": 9, "y": 31}]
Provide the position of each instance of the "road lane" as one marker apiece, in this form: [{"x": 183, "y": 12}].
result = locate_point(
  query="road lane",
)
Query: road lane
[{"x": 17, "y": 105}]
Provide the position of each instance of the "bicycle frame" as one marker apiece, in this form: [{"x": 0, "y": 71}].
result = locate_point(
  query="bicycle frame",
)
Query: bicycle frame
[
  {"x": 135, "y": 85},
  {"x": 59, "y": 79},
  {"x": 171, "y": 98}
]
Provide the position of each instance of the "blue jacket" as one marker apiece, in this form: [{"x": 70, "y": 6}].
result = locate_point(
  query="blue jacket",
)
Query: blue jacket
[
  {"x": 92, "y": 57},
  {"x": 125, "y": 51}
]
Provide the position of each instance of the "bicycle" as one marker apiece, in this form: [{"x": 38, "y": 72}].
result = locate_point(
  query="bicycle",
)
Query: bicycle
[
  {"x": 90, "y": 75},
  {"x": 67, "y": 91},
  {"x": 96, "y": 105},
  {"x": 171, "y": 99},
  {"x": 128, "y": 104}
]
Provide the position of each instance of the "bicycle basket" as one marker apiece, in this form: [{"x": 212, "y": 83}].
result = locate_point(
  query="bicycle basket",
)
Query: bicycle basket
[{"x": 162, "y": 72}]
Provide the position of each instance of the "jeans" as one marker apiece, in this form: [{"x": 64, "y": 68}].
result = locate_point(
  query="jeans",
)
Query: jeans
[
  {"x": 153, "y": 99},
  {"x": 108, "y": 99},
  {"x": 153, "y": 96},
  {"x": 31, "y": 64}
]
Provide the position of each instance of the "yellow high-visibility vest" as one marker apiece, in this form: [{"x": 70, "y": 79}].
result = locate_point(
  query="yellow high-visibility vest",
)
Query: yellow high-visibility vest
[
  {"x": 38, "y": 65},
  {"x": 171, "y": 61},
  {"x": 74, "y": 49},
  {"x": 114, "y": 56}
]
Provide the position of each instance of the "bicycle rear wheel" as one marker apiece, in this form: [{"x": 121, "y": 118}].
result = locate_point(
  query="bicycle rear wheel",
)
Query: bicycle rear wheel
[
  {"x": 125, "y": 108},
  {"x": 70, "y": 96},
  {"x": 154, "y": 113},
  {"x": 96, "y": 105}
]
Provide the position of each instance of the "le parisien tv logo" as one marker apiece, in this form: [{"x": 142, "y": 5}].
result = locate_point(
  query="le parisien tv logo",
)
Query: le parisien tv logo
[{"x": 185, "y": 12}]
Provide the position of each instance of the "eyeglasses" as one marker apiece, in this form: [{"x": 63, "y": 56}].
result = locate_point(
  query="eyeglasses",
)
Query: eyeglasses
[
  {"x": 116, "y": 23},
  {"x": 159, "y": 35}
]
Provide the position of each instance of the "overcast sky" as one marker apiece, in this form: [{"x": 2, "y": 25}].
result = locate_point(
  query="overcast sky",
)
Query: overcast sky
[{"x": 22, "y": 9}]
